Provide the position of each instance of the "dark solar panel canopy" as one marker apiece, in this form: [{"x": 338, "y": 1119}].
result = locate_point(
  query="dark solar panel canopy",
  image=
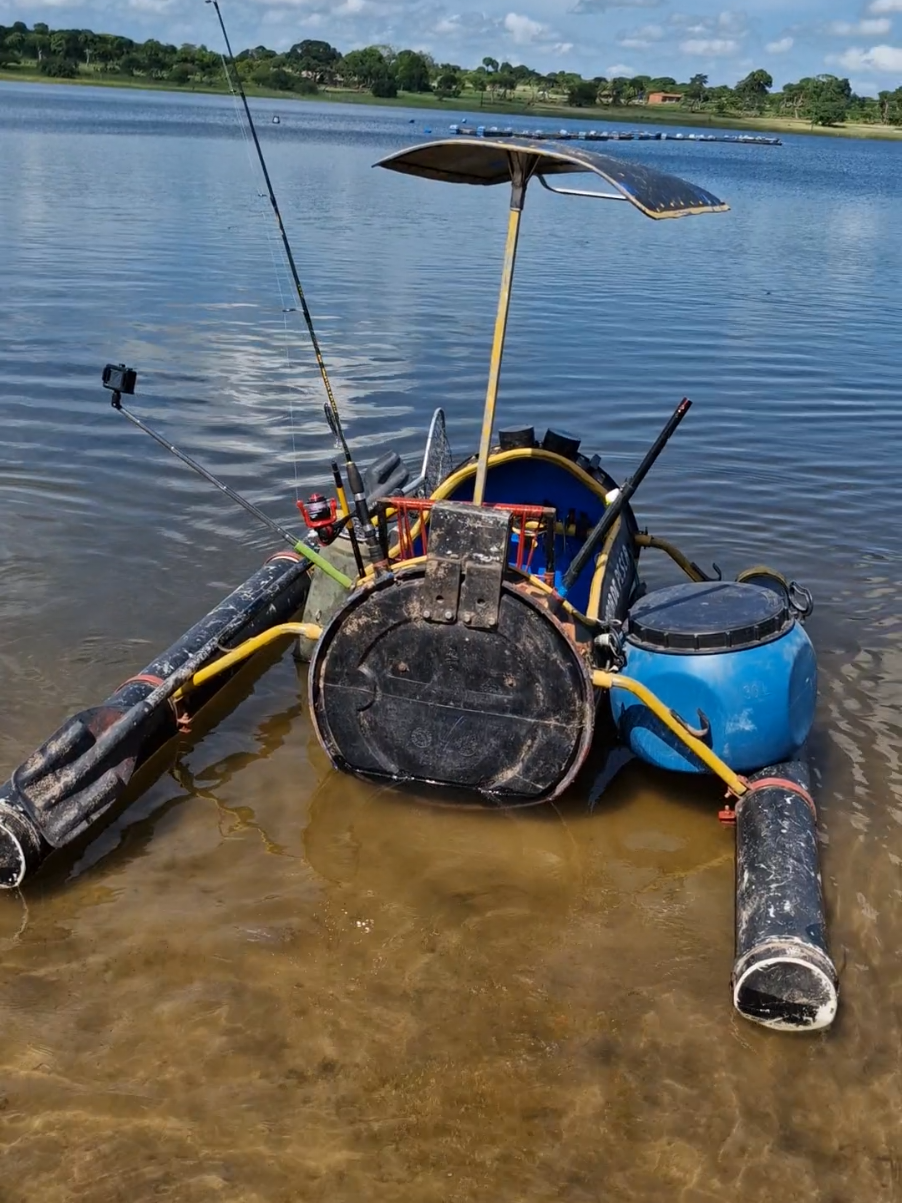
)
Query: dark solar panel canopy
[
  {"x": 487, "y": 161},
  {"x": 516, "y": 161}
]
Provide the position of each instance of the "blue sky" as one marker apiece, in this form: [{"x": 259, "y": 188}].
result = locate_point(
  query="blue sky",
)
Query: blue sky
[{"x": 861, "y": 39}]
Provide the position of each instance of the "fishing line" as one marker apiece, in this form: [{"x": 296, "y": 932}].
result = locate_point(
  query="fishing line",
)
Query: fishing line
[
  {"x": 333, "y": 417},
  {"x": 305, "y": 310},
  {"x": 278, "y": 266}
]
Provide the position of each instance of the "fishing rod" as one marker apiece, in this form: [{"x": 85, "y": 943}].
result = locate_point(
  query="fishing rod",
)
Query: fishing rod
[
  {"x": 119, "y": 379},
  {"x": 621, "y": 497},
  {"x": 333, "y": 417}
]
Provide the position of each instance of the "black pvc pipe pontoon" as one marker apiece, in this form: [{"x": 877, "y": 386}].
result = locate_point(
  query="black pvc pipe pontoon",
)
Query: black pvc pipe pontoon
[
  {"x": 68, "y": 783},
  {"x": 783, "y": 976}
]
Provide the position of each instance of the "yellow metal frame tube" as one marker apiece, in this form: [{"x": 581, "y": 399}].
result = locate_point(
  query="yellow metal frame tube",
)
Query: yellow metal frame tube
[
  {"x": 518, "y": 190},
  {"x": 674, "y": 552},
  {"x": 733, "y": 781},
  {"x": 245, "y": 650}
]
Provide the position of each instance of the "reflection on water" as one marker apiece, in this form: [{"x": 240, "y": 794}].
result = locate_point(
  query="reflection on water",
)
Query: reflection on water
[{"x": 264, "y": 981}]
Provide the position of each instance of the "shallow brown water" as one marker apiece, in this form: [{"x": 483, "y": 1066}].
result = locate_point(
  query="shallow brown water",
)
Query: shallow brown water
[
  {"x": 282, "y": 984},
  {"x": 264, "y": 981}
]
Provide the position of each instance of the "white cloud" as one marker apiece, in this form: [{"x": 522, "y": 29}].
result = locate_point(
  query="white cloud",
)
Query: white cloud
[
  {"x": 458, "y": 30},
  {"x": 731, "y": 21},
  {"x": 51, "y": 4},
  {"x": 720, "y": 35},
  {"x": 727, "y": 24},
  {"x": 710, "y": 47},
  {"x": 641, "y": 39},
  {"x": 864, "y": 28},
  {"x": 603, "y": 6},
  {"x": 781, "y": 46},
  {"x": 619, "y": 69},
  {"x": 885, "y": 6},
  {"x": 477, "y": 34},
  {"x": 524, "y": 30},
  {"x": 887, "y": 59}
]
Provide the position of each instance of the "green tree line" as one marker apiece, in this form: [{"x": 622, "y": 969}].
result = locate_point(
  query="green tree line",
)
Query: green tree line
[{"x": 311, "y": 65}]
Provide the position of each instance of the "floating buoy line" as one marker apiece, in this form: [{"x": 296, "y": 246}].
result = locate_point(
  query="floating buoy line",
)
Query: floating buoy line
[{"x": 596, "y": 135}]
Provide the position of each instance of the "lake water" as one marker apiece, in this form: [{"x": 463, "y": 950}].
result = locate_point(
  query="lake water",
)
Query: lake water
[{"x": 267, "y": 982}]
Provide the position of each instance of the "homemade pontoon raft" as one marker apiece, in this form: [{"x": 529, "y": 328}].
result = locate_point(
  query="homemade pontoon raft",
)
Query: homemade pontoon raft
[{"x": 467, "y": 629}]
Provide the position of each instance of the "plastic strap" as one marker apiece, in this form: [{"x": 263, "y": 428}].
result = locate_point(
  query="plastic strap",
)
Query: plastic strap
[
  {"x": 142, "y": 679},
  {"x": 782, "y": 783},
  {"x": 181, "y": 720}
]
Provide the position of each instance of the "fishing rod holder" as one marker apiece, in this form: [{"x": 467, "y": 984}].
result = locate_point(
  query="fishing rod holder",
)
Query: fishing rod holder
[{"x": 531, "y": 527}]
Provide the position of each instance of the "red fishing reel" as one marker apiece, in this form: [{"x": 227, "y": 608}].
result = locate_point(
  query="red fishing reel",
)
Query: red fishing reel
[{"x": 320, "y": 513}]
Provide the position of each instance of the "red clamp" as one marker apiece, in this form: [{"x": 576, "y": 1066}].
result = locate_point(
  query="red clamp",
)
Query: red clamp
[
  {"x": 182, "y": 719},
  {"x": 727, "y": 815}
]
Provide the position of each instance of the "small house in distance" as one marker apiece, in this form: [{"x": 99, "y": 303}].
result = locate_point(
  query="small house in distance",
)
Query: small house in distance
[{"x": 664, "y": 98}]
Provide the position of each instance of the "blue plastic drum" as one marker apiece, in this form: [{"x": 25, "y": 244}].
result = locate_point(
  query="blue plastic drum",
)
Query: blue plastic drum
[{"x": 732, "y": 661}]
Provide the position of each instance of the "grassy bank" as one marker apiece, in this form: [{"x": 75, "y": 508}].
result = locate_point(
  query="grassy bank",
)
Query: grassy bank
[{"x": 471, "y": 102}]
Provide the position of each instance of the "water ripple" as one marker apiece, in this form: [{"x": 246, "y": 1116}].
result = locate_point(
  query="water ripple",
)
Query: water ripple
[{"x": 258, "y": 947}]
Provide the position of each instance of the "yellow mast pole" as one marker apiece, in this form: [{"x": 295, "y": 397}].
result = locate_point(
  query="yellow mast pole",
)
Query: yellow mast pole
[{"x": 520, "y": 174}]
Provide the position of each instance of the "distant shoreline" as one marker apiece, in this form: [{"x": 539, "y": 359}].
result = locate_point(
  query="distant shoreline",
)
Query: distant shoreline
[{"x": 593, "y": 117}]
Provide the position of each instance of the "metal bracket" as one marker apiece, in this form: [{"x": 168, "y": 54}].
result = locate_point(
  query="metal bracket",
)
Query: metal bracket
[
  {"x": 441, "y": 590},
  {"x": 480, "y": 597},
  {"x": 468, "y": 551},
  {"x": 615, "y": 196}
]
